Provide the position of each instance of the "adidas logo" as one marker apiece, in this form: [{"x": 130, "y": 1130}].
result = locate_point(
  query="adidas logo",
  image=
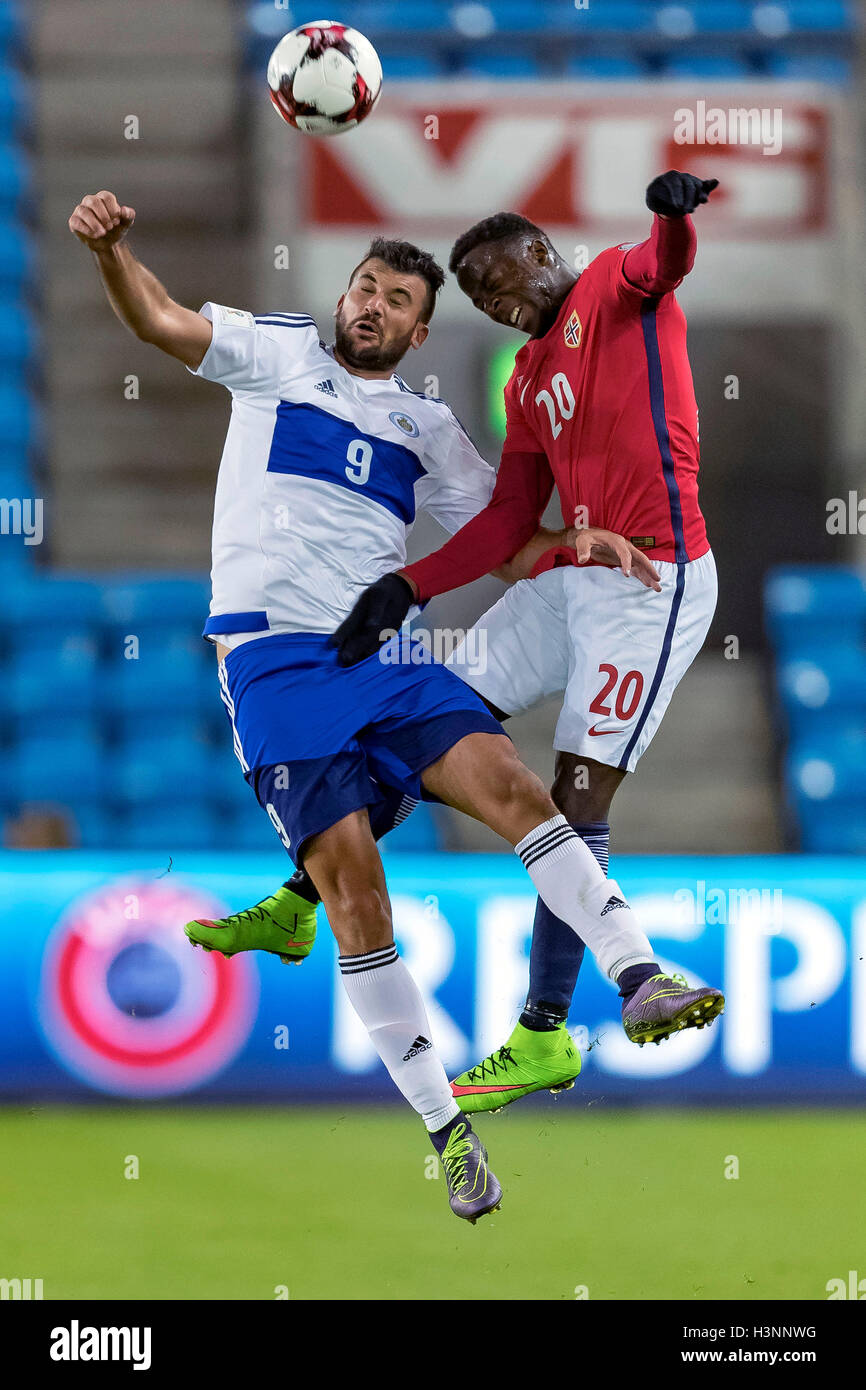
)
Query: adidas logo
[
  {"x": 611, "y": 904},
  {"x": 421, "y": 1044},
  {"x": 327, "y": 387}
]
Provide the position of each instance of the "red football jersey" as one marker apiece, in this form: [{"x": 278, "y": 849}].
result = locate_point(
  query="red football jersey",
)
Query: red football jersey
[{"x": 607, "y": 395}]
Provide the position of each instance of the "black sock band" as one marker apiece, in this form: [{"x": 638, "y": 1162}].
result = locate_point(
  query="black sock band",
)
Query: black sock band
[
  {"x": 542, "y": 1017},
  {"x": 301, "y": 883}
]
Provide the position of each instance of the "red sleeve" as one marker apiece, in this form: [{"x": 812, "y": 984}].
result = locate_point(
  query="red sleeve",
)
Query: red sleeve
[
  {"x": 523, "y": 487},
  {"x": 660, "y": 263}
]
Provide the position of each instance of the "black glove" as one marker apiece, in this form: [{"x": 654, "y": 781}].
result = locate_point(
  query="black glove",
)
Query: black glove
[
  {"x": 674, "y": 194},
  {"x": 381, "y": 607}
]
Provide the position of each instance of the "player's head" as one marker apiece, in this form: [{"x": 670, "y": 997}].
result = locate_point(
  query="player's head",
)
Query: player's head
[
  {"x": 388, "y": 305},
  {"x": 510, "y": 270}
]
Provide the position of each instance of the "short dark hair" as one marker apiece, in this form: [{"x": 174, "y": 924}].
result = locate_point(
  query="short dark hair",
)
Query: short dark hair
[
  {"x": 410, "y": 260},
  {"x": 499, "y": 227}
]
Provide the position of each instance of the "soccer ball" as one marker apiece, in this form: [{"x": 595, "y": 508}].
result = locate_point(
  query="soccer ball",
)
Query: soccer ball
[{"x": 324, "y": 77}]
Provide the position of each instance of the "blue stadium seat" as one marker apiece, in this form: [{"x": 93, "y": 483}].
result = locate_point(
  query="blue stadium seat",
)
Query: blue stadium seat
[
  {"x": 427, "y": 16},
  {"x": 167, "y": 828},
  {"x": 840, "y": 828},
  {"x": 270, "y": 23},
  {"x": 16, "y": 482},
  {"x": 605, "y": 65},
  {"x": 227, "y": 780},
  {"x": 46, "y": 610},
  {"x": 17, "y": 417},
  {"x": 825, "y": 16},
  {"x": 15, "y": 562},
  {"x": 704, "y": 64},
  {"x": 721, "y": 16},
  {"x": 822, "y": 685},
  {"x": 490, "y": 63},
  {"x": 829, "y": 768},
  {"x": 811, "y": 605},
  {"x": 14, "y": 102},
  {"x": 18, "y": 339},
  {"x": 400, "y": 64},
  {"x": 132, "y": 725},
  {"x": 810, "y": 67},
  {"x": 245, "y": 826},
  {"x": 14, "y": 175},
  {"x": 171, "y": 674},
  {"x": 16, "y": 257},
  {"x": 155, "y": 769},
  {"x": 11, "y": 26},
  {"x": 520, "y": 17},
  {"x": 133, "y": 603},
  {"x": 54, "y": 768},
  {"x": 615, "y": 16},
  {"x": 52, "y": 678}
]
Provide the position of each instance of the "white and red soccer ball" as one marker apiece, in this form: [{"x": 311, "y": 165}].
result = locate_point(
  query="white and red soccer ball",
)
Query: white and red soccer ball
[{"x": 324, "y": 77}]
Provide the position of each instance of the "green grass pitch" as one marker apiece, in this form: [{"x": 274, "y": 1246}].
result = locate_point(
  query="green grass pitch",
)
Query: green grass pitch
[{"x": 333, "y": 1203}]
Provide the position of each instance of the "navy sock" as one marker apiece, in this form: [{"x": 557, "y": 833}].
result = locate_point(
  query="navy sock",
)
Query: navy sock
[
  {"x": 557, "y": 952},
  {"x": 634, "y": 976},
  {"x": 439, "y": 1137}
]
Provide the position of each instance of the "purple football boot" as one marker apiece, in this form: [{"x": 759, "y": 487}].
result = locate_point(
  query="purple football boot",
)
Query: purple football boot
[
  {"x": 473, "y": 1189},
  {"x": 663, "y": 1005}
]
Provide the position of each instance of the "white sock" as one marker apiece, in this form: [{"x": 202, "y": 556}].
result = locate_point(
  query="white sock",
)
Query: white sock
[
  {"x": 389, "y": 1004},
  {"x": 570, "y": 882}
]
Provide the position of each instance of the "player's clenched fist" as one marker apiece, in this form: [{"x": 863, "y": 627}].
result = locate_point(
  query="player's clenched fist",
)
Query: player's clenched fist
[
  {"x": 675, "y": 195},
  {"x": 100, "y": 221}
]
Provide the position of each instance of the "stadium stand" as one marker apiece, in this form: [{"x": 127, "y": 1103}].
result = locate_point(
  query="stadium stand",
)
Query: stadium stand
[
  {"x": 793, "y": 39},
  {"x": 816, "y": 621}
]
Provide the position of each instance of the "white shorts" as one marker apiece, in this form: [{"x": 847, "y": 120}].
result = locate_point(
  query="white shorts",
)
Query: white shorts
[{"x": 617, "y": 650}]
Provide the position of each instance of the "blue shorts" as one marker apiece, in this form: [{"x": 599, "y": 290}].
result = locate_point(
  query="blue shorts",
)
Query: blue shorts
[{"x": 317, "y": 740}]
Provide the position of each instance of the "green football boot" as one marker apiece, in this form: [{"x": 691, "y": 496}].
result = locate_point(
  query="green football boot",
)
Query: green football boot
[
  {"x": 283, "y": 925},
  {"x": 528, "y": 1062}
]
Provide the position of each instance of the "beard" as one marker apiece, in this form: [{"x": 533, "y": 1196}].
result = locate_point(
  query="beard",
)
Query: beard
[{"x": 373, "y": 356}]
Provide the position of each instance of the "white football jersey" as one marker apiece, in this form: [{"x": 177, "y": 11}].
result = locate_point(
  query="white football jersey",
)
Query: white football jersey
[{"x": 320, "y": 476}]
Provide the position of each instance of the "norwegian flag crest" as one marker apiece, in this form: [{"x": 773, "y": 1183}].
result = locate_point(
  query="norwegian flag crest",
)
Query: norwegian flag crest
[{"x": 572, "y": 332}]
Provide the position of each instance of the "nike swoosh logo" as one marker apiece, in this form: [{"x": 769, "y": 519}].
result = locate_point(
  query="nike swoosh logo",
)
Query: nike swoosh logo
[
  {"x": 479, "y": 1090},
  {"x": 596, "y": 733}
]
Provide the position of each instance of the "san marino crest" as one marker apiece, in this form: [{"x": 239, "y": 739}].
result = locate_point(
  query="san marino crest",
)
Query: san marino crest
[
  {"x": 404, "y": 423},
  {"x": 572, "y": 332}
]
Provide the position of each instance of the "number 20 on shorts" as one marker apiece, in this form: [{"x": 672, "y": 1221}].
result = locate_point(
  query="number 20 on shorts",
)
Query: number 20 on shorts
[{"x": 629, "y": 690}]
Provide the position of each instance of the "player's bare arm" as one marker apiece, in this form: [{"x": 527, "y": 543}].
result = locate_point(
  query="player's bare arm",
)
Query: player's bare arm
[
  {"x": 589, "y": 543},
  {"x": 521, "y": 565},
  {"x": 138, "y": 299}
]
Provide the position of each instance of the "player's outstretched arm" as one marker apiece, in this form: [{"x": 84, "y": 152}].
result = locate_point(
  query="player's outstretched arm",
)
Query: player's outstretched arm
[
  {"x": 138, "y": 299},
  {"x": 656, "y": 266}
]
